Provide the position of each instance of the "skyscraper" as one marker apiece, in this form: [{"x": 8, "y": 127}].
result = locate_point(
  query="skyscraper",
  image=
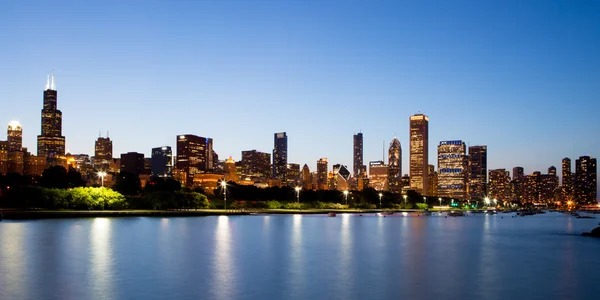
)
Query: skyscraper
[
  {"x": 477, "y": 171},
  {"x": 378, "y": 175},
  {"x": 230, "y": 170},
  {"x": 500, "y": 187},
  {"x": 452, "y": 169},
  {"x": 280, "y": 156},
  {"x": 194, "y": 156},
  {"x": 51, "y": 143},
  {"x": 586, "y": 180},
  {"x": 432, "y": 177},
  {"x": 395, "y": 166},
  {"x": 306, "y": 178},
  {"x": 292, "y": 175},
  {"x": 419, "y": 149},
  {"x": 132, "y": 162},
  {"x": 103, "y": 149},
  {"x": 162, "y": 161},
  {"x": 358, "y": 153},
  {"x": 322, "y": 174},
  {"x": 256, "y": 164},
  {"x": 518, "y": 173},
  {"x": 14, "y": 136},
  {"x": 567, "y": 179}
]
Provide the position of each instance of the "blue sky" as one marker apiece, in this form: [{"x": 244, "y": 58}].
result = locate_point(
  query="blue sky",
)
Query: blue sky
[{"x": 522, "y": 77}]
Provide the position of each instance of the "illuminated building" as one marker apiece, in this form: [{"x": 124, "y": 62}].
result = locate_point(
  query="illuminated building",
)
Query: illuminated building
[
  {"x": 132, "y": 162},
  {"x": 452, "y": 169},
  {"x": 194, "y": 156},
  {"x": 162, "y": 162},
  {"x": 358, "y": 153},
  {"x": 518, "y": 173},
  {"x": 585, "y": 180},
  {"x": 3, "y": 161},
  {"x": 567, "y": 179},
  {"x": 341, "y": 175},
  {"x": 103, "y": 153},
  {"x": 280, "y": 156},
  {"x": 477, "y": 171},
  {"x": 433, "y": 180},
  {"x": 16, "y": 162},
  {"x": 322, "y": 174},
  {"x": 395, "y": 166},
  {"x": 419, "y": 153},
  {"x": 51, "y": 143},
  {"x": 256, "y": 164},
  {"x": 292, "y": 175},
  {"x": 500, "y": 187},
  {"x": 230, "y": 170},
  {"x": 14, "y": 136},
  {"x": 378, "y": 175},
  {"x": 548, "y": 186},
  {"x": 531, "y": 187},
  {"x": 406, "y": 184},
  {"x": 208, "y": 182},
  {"x": 306, "y": 178},
  {"x": 33, "y": 165}
]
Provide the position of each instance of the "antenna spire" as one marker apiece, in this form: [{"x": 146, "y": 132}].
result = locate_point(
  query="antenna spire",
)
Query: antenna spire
[
  {"x": 52, "y": 83},
  {"x": 47, "y": 81}
]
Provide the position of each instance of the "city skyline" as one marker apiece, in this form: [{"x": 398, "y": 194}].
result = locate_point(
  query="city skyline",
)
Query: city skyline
[{"x": 514, "y": 125}]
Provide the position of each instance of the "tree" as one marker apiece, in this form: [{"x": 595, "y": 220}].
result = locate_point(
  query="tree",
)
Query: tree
[
  {"x": 128, "y": 184},
  {"x": 157, "y": 184}
]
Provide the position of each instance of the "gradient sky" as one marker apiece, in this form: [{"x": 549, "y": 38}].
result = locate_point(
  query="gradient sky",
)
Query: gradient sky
[{"x": 522, "y": 77}]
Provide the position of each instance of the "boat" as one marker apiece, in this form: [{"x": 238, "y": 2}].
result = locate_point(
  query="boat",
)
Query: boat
[
  {"x": 525, "y": 213},
  {"x": 490, "y": 212},
  {"x": 331, "y": 214},
  {"x": 456, "y": 214},
  {"x": 585, "y": 217},
  {"x": 575, "y": 214}
]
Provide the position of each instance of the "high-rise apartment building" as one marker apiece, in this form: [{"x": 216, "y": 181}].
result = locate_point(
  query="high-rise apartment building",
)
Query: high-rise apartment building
[
  {"x": 162, "y": 161},
  {"x": 256, "y": 164},
  {"x": 432, "y": 177},
  {"x": 280, "y": 156},
  {"x": 419, "y": 153},
  {"x": 477, "y": 171},
  {"x": 194, "y": 156},
  {"x": 51, "y": 142},
  {"x": 14, "y": 136},
  {"x": 306, "y": 178},
  {"x": 567, "y": 179},
  {"x": 322, "y": 174},
  {"x": 358, "y": 153},
  {"x": 531, "y": 187},
  {"x": 395, "y": 166},
  {"x": 132, "y": 162},
  {"x": 518, "y": 173},
  {"x": 292, "y": 175},
  {"x": 586, "y": 180},
  {"x": 500, "y": 187},
  {"x": 452, "y": 169},
  {"x": 378, "y": 175}
]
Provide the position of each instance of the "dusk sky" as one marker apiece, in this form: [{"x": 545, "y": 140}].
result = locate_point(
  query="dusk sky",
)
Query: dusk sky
[{"x": 522, "y": 77}]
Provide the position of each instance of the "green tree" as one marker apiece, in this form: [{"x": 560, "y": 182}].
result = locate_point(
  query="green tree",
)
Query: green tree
[{"x": 128, "y": 184}]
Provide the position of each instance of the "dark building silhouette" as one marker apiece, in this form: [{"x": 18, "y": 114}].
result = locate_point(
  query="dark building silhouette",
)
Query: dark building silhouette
[
  {"x": 358, "y": 153},
  {"x": 162, "y": 162},
  {"x": 518, "y": 173},
  {"x": 51, "y": 143},
  {"x": 567, "y": 179},
  {"x": 477, "y": 172},
  {"x": 586, "y": 180},
  {"x": 256, "y": 164},
  {"x": 103, "y": 149},
  {"x": 132, "y": 162},
  {"x": 395, "y": 166},
  {"x": 419, "y": 154},
  {"x": 194, "y": 156},
  {"x": 280, "y": 156}
]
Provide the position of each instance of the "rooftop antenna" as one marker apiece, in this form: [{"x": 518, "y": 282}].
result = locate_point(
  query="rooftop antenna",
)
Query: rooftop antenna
[
  {"x": 383, "y": 151},
  {"x": 52, "y": 83},
  {"x": 107, "y": 134},
  {"x": 47, "y": 81},
  {"x": 99, "y": 134}
]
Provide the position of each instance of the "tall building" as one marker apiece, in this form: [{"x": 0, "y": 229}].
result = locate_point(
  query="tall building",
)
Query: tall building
[
  {"x": 586, "y": 180},
  {"x": 14, "y": 136},
  {"x": 230, "y": 170},
  {"x": 103, "y": 149},
  {"x": 531, "y": 187},
  {"x": 395, "y": 166},
  {"x": 194, "y": 156},
  {"x": 358, "y": 153},
  {"x": 162, "y": 161},
  {"x": 549, "y": 186},
  {"x": 500, "y": 187},
  {"x": 306, "y": 178},
  {"x": 292, "y": 175},
  {"x": 51, "y": 143},
  {"x": 432, "y": 177},
  {"x": 567, "y": 179},
  {"x": 419, "y": 149},
  {"x": 132, "y": 162},
  {"x": 322, "y": 174},
  {"x": 518, "y": 173},
  {"x": 477, "y": 171},
  {"x": 256, "y": 164},
  {"x": 280, "y": 156},
  {"x": 378, "y": 175},
  {"x": 452, "y": 169}
]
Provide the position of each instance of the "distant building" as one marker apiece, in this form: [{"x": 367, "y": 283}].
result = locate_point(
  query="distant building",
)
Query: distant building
[
  {"x": 548, "y": 186},
  {"x": 452, "y": 169},
  {"x": 292, "y": 175},
  {"x": 33, "y": 165},
  {"x": 358, "y": 153},
  {"x": 3, "y": 161},
  {"x": 341, "y": 176},
  {"x": 194, "y": 156},
  {"x": 306, "y": 178},
  {"x": 477, "y": 171},
  {"x": 51, "y": 142},
  {"x": 322, "y": 174},
  {"x": 419, "y": 153},
  {"x": 432, "y": 177},
  {"x": 14, "y": 136},
  {"x": 16, "y": 162},
  {"x": 132, "y": 162},
  {"x": 230, "y": 170},
  {"x": 518, "y": 173},
  {"x": 499, "y": 186},
  {"x": 531, "y": 187},
  {"x": 162, "y": 162},
  {"x": 378, "y": 175},
  {"x": 567, "y": 179},
  {"x": 406, "y": 184},
  {"x": 394, "y": 166},
  {"x": 586, "y": 180},
  {"x": 256, "y": 164},
  {"x": 280, "y": 156}
]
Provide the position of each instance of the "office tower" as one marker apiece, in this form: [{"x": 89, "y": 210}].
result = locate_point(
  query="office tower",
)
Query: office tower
[
  {"x": 585, "y": 180},
  {"x": 103, "y": 149},
  {"x": 162, "y": 161},
  {"x": 341, "y": 177},
  {"x": 256, "y": 164},
  {"x": 531, "y": 187},
  {"x": 51, "y": 143},
  {"x": 395, "y": 166},
  {"x": 358, "y": 153},
  {"x": 14, "y": 136},
  {"x": 500, "y": 187},
  {"x": 132, "y": 162},
  {"x": 378, "y": 175},
  {"x": 33, "y": 165},
  {"x": 452, "y": 169},
  {"x": 518, "y": 173},
  {"x": 549, "y": 186},
  {"x": 322, "y": 174},
  {"x": 477, "y": 171},
  {"x": 419, "y": 157},
  {"x": 280, "y": 156},
  {"x": 306, "y": 178},
  {"x": 230, "y": 170},
  {"x": 552, "y": 170},
  {"x": 194, "y": 156},
  {"x": 405, "y": 184},
  {"x": 432, "y": 177},
  {"x": 292, "y": 175},
  {"x": 567, "y": 179}
]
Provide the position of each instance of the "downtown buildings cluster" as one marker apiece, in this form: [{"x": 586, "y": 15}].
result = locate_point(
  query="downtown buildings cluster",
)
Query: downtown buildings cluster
[{"x": 461, "y": 173}]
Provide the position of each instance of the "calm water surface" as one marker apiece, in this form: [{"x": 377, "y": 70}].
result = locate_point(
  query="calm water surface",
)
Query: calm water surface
[{"x": 301, "y": 257}]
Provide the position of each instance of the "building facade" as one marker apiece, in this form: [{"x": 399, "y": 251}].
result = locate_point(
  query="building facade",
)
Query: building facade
[
  {"x": 51, "y": 142},
  {"x": 432, "y": 177},
  {"x": 256, "y": 164},
  {"x": 378, "y": 175},
  {"x": 322, "y": 167},
  {"x": 162, "y": 161},
  {"x": 292, "y": 175},
  {"x": 358, "y": 154},
  {"x": 452, "y": 169},
  {"x": 419, "y": 153},
  {"x": 280, "y": 156},
  {"x": 477, "y": 171},
  {"x": 395, "y": 166},
  {"x": 499, "y": 186},
  {"x": 132, "y": 162},
  {"x": 586, "y": 180},
  {"x": 14, "y": 136},
  {"x": 194, "y": 156},
  {"x": 567, "y": 179}
]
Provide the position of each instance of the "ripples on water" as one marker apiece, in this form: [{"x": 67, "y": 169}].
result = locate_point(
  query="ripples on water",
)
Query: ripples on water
[{"x": 300, "y": 257}]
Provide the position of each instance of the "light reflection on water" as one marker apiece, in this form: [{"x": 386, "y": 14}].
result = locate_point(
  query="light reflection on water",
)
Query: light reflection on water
[{"x": 300, "y": 257}]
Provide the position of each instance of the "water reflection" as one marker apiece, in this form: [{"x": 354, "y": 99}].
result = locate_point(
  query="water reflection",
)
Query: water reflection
[
  {"x": 345, "y": 266},
  {"x": 223, "y": 267},
  {"x": 101, "y": 259},
  {"x": 296, "y": 267},
  {"x": 13, "y": 262}
]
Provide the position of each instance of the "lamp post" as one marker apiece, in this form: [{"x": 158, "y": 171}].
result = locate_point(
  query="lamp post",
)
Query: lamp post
[
  {"x": 425, "y": 200},
  {"x": 487, "y": 201},
  {"x": 405, "y": 196},
  {"x": 346, "y": 196},
  {"x": 495, "y": 202},
  {"x": 297, "y": 194},
  {"x": 440, "y": 202},
  {"x": 101, "y": 174},
  {"x": 380, "y": 195},
  {"x": 224, "y": 185}
]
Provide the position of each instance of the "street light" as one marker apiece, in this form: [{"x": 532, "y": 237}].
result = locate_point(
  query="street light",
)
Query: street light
[
  {"x": 224, "y": 185},
  {"x": 495, "y": 202},
  {"x": 487, "y": 201},
  {"x": 101, "y": 174},
  {"x": 380, "y": 195},
  {"x": 346, "y": 196},
  {"x": 405, "y": 196},
  {"x": 440, "y": 201},
  {"x": 298, "y": 194}
]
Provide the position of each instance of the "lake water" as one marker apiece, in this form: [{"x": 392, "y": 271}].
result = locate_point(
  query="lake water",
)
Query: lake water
[{"x": 301, "y": 257}]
